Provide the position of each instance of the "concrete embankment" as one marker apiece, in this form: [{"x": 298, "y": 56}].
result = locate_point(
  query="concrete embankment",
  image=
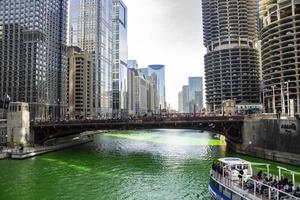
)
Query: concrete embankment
[
  {"x": 31, "y": 152},
  {"x": 3, "y": 156},
  {"x": 277, "y": 140}
]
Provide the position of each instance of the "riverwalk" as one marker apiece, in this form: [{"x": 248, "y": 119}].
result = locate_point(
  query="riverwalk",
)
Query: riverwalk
[
  {"x": 3, "y": 156},
  {"x": 35, "y": 151}
]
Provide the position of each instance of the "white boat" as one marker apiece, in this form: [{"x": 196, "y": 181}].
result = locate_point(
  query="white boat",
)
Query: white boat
[{"x": 233, "y": 179}]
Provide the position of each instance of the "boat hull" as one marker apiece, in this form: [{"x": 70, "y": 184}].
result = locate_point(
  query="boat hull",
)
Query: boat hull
[
  {"x": 216, "y": 194},
  {"x": 216, "y": 191}
]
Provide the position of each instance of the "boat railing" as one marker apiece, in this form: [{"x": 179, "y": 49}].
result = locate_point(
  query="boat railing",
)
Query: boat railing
[{"x": 252, "y": 189}]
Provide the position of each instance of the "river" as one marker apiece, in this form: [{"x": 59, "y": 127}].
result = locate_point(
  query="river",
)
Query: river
[{"x": 149, "y": 164}]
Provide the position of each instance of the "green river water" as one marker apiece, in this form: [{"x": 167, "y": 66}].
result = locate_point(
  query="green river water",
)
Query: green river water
[{"x": 149, "y": 164}]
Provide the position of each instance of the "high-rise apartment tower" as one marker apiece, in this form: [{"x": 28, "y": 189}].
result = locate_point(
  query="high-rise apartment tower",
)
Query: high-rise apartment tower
[
  {"x": 232, "y": 60},
  {"x": 280, "y": 55}
]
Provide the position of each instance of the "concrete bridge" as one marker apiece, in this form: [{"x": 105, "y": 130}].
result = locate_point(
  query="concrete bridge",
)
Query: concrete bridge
[
  {"x": 230, "y": 127},
  {"x": 268, "y": 138}
]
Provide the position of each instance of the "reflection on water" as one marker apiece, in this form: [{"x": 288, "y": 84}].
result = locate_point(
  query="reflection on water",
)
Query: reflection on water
[{"x": 151, "y": 164}]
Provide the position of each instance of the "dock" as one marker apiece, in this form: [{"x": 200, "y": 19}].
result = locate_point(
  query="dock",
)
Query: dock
[
  {"x": 3, "y": 156},
  {"x": 35, "y": 151}
]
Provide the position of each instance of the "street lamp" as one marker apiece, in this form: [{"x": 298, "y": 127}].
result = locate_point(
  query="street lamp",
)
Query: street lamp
[
  {"x": 274, "y": 103},
  {"x": 288, "y": 96}
]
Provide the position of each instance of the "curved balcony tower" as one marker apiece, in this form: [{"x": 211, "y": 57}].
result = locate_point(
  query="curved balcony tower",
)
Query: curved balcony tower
[
  {"x": 281, "y": 54},
  {"x": 232, "y": 59}
]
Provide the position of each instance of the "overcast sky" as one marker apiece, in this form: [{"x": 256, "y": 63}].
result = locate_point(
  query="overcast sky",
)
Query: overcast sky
[{"x": 167, "y": 32}]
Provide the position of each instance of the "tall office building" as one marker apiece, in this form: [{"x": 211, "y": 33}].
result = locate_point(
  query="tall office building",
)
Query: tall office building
[
  {"x": 80, "y": 88},
  {"x": 280, "y": 56},
  {"x": 152, "y": 93},
  {"x": 33, "y": 55},
  {"x": 140, "y": 97},
  {"x": 144, "y": 71},
  {"x": 132, "y": 64},
  {"x": 180, "y": 102},
  {"x": 95, "y": 35},
  {"x": 185, "y": 99},
  {"x": 159, "y": 71},
  {"x": 232, "y": 61},
  {"x": 195, "y": 94},
  {"x": 120, "y": 55},
  {"x": 131, "y": 91},
  {"x": 73, "y": 22}
]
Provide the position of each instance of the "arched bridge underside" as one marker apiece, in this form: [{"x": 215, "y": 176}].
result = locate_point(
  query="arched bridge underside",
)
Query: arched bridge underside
[{"x": 230, "y": 127}]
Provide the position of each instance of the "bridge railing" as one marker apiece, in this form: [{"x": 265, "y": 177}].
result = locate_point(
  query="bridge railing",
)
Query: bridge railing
[{"x": 144, "y": 120}]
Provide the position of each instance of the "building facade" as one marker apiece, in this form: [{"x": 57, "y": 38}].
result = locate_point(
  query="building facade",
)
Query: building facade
[
  {"x": 159, "y": 71},
  {"x": 80, "y": 84},
  {"x": 120, "y": 56},
  {"x": 195, "y": 94},
  {"x": 232, "y": 61},
  {"x": 132, "y": 64},
  {"x": 185, "y": 99},
  {"x": 131, "y": 91},
  {"x": 95, "y": 35},
  {"x": 144, "y": 71},
  {"x": 3, "y": 132},
  {"x": 180, "y": 102},
  {"x": 33, "y": 58},
  {"x": 152, "y": 94},
  {"x": 73, "y": 22},
  {"x": 140, "y": 86},
  {"x": 280, "y": 56}
]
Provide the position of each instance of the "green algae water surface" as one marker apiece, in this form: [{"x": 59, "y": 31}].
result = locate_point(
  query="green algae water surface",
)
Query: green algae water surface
[{"x": 150, "y": 164}]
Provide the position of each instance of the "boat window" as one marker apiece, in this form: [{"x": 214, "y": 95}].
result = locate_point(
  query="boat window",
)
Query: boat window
[
  {"x": 227, "y": 193},
  {"x": 235, "y": 197}
]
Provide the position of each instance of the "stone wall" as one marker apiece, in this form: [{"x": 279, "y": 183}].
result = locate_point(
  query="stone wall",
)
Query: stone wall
[{"x": 277, "y": 140}]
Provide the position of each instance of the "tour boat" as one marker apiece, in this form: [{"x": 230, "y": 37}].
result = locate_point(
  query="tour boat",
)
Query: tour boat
[{"x": 234, "y": 179}]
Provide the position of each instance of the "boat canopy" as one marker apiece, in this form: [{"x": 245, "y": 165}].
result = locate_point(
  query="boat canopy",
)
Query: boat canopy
[{"x": 233, "y": 161}]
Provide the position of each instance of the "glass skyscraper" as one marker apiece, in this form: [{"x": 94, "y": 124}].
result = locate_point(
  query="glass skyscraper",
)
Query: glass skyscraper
[
  {"x": 132, "y": 64},
  {"x": 195, "y": 94},
  {"x": 33, "y": 55},
  {"x": 159, "y": 71},
  {"x": 120, "y": 57},
  {"x": 95, "y": 35},
  {"x": 185, "y": 99}
]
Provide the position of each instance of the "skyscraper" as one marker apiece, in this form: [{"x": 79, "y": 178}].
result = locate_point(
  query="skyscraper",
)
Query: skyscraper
[
  {"x": 33, "y": 58},
  {"x": 195, "y": 94},
  {"x": 132, "y": 64},
  {"x": 120, "y": 55},
  {"x": 180, "y": 102},
  {"x": 73, "y": 22},
  {"x": 280, "y": 56},
  {"x": 140, "y": 96},
  {"x": 232, "y": 61},
  {"x": 159, "y": 71},
  {"x": 80, "y": 88},
  {"x": 95, "y": 35},
  {"x": 144, "y": 71},
  {"x": 185, "y": 99},
  {"x": 152, "y": 93}
]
